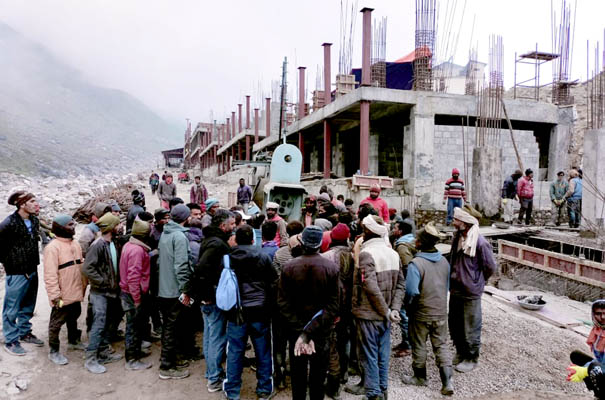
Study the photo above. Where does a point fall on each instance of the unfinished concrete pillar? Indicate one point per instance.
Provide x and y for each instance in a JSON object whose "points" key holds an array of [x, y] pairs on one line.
{"points": [[418, 156], [593, 169], [560, 139], [487, 179]]}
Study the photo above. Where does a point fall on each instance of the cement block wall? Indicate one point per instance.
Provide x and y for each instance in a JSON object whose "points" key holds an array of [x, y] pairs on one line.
{"points": [[449, 151]]}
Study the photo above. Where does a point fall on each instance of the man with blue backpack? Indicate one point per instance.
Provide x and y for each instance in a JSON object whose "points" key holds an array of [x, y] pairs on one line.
{"points": [[254, 294], [208, 272]]}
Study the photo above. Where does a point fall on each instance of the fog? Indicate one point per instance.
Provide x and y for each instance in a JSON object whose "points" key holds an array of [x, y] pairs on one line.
{"points": [[197, 59]]}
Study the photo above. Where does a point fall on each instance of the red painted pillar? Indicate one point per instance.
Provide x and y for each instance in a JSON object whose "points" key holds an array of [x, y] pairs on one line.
{"points": [[228, 132], [239, 118], [255, 125], [233, 124], [247, 112], [366, 49], [268, 116], [301, 92], [327, 73]]}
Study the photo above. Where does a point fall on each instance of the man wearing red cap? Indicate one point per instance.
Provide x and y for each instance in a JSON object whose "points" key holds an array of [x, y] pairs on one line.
{"points": [[454, 194], [379, 204]]}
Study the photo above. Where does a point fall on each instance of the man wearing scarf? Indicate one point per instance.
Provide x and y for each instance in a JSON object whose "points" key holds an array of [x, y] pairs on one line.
{"points": [[64, 285], [427, 283], [472, 261], [378, 288], [19, 236]]}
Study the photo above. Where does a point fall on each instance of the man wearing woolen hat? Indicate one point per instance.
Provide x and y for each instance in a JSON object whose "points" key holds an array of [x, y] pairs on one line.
{"points": [[101, 269], [174, 287], [19, 236], [138, 206], [64, 286], [134, 296], [308, 301]]}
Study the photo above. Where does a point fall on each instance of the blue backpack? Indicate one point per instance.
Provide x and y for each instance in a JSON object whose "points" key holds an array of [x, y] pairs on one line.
{"points": [[227, 291]]}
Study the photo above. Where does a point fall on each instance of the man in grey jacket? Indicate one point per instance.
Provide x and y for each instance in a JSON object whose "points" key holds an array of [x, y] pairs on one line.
{"points": [[378, 286], [173, 291]]}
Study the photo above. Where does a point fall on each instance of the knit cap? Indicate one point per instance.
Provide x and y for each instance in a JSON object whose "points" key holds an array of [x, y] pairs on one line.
{"points": [[340, 233], [140, 229], [180, 213], [108, 222], [62, 219]]}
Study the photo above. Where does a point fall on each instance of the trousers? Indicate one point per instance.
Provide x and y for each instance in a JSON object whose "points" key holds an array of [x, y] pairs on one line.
{"points": [[58, 317]]}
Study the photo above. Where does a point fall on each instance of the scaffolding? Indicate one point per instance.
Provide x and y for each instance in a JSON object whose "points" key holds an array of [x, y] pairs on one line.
{"points": [[424, 44], [378, 69], [489, 110], [536, 59]]}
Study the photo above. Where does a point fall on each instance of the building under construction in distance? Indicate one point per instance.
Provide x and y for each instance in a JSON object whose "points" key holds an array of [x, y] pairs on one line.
{"points": [[396, 123]]}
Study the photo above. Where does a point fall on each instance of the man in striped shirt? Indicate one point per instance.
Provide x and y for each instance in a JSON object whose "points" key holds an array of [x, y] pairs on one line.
{"points": [[454, 194]]}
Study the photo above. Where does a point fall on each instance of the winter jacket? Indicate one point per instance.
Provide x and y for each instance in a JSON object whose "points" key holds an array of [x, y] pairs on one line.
{"points": [[405, 246], [62, 275], [98, 267], [281, 237], [574, 192], [427, 284], [18, 248], [198, 195], [256, 279], [378, 281], [175, 271], [135, 269], [525, 188], [454, 189], [309, 284], [132, 215], [269, 248], [195, 237], [87, 236], [166, 192], [244, 194], [509, 188], [558, 190], [379, 205], [343, 258], [210, 265], [469, 274]]}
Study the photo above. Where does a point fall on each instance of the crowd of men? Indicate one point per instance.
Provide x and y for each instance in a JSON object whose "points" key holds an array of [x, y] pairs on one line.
{"points": [[317, 298]]}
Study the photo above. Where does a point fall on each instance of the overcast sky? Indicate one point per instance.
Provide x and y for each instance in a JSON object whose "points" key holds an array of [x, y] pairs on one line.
{"points": [[188, 58]]}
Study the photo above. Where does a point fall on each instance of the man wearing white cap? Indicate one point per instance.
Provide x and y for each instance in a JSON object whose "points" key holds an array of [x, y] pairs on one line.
{"points": [[472, 263], [281, 237]]}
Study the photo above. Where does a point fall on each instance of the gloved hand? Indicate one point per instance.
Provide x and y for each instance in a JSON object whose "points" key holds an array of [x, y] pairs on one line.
{"points": [[394, 316], [504, 201], [576, 373]]}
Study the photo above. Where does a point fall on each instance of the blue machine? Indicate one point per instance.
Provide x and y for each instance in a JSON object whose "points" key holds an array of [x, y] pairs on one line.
{"points": [[284, 186]]}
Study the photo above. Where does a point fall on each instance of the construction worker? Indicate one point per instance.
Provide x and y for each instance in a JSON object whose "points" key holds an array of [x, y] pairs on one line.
{"points": [[558, 188], [454, 194]]}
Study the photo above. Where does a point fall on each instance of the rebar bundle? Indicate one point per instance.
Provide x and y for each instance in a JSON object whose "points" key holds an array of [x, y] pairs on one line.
{"points": [[470, 84], [596, 91], [424, 44], [348, 12], [562, 45], [489, 107], [378, 72]]}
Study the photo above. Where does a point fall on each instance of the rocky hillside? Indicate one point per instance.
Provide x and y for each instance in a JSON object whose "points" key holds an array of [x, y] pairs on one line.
{"points": [[54, 123]]}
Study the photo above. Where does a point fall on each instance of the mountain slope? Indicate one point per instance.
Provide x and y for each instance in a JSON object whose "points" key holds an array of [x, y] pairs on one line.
{"points": [[52, 122]]}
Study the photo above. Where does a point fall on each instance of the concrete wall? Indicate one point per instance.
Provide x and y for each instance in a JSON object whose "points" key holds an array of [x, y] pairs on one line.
{"points": [[594, 172]]}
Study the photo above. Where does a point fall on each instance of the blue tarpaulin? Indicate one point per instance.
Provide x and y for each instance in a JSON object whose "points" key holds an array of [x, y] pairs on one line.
{"points": [[399, 75]]}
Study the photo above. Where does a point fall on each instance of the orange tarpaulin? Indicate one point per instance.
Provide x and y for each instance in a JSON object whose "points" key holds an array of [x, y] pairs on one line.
{"points": [[422, 52]]}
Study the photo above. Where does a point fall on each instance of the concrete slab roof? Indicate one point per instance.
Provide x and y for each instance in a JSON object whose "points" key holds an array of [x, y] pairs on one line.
{"points": [[238, 137]]}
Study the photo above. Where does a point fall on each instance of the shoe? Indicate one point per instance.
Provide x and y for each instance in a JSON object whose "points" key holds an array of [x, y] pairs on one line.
{"points": [[109, 358], [57, 358], [137, 365], [144, 353], [76, 346], [358, 389], [215, 386], [14, 349], [466, 366], [332, 388], [447, 388], [457, 359], [182, 363], [385, 395], [145, 344], [419, 378], [265, 396], [32, 339], [174, 373], [92, 365]]}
